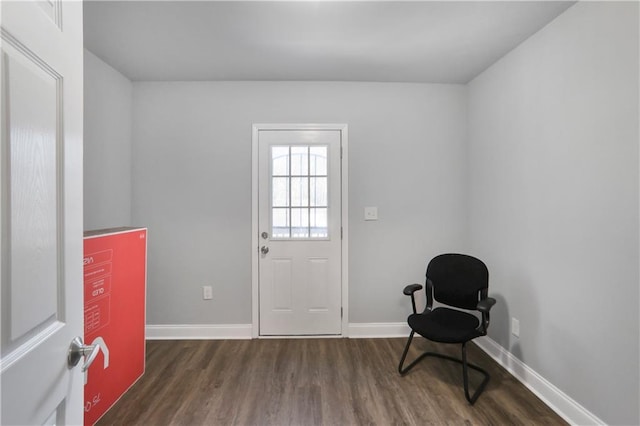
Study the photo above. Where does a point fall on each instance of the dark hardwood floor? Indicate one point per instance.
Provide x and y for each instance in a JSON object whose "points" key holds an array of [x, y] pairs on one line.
{"points": [[317, 382]]}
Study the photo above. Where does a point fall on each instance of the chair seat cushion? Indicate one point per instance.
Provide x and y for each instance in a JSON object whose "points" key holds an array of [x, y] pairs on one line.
{"points": [[445, 325]]}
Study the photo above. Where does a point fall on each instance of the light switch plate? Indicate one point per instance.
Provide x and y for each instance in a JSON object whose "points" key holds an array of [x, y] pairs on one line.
{"points": [[370, 213], [207, 292]]}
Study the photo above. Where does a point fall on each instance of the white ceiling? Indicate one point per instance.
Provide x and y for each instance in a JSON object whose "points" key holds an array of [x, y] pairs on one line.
{"points": [[430, 42]]}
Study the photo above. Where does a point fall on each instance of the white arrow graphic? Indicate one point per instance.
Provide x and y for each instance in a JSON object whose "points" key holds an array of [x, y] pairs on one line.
{"points": [[101, 346]]}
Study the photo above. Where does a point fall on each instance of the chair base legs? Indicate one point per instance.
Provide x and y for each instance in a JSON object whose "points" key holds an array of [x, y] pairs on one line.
{"points": [[465, 368]]}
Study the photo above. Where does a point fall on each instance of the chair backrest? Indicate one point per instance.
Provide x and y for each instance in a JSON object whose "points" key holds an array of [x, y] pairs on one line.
{"points": [[457, 279]]}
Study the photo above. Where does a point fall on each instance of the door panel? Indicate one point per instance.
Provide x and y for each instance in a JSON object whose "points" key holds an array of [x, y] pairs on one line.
{"points": [[318, 284], [31, 122], [282, 284], [299, 219], [41, 214]]}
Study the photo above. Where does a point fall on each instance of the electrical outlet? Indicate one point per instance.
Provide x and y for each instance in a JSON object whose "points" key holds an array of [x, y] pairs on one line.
{"points": [[207, 292], [515, 327], [370, 213]]}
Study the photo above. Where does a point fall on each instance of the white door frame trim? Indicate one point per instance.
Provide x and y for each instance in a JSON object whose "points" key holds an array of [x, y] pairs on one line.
{"points": [[344, 215]]}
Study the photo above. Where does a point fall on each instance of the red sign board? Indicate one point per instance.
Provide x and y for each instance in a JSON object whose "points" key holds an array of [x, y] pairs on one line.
{"points": [[114, 315]]}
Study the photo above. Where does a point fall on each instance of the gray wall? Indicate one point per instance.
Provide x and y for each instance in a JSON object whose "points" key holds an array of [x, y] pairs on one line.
{"points": [[553, 156], [108, 100], [192, 187]]}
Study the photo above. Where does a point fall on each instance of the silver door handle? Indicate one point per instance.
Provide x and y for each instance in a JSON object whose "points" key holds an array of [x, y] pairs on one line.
{"points": [[264, 250], [77, 350]]}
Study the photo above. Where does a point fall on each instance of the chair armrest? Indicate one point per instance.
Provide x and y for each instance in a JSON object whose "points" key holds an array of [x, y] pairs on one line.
{"points": [[485, 304], [409, 290], [412, 288]]}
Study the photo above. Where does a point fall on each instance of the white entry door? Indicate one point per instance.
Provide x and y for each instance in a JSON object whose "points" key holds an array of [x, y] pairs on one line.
{"points": [[41, 215], [299, 217]]}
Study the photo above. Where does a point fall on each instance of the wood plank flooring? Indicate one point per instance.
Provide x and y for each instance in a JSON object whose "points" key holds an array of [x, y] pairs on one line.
{"points": [[317, 382]]}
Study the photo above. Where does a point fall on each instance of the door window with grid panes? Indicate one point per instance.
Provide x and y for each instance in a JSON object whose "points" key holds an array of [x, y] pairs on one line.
{"points": [[299, 199]]}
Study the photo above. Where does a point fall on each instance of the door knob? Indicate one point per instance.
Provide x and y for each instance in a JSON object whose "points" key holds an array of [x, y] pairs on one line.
{"points": [[77, 350], [264, 249]]}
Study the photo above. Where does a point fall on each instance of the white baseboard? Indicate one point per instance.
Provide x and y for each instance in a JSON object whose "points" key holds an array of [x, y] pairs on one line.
{"points": [[198, 331], [557, 400], [243, 331], [378, 329]]}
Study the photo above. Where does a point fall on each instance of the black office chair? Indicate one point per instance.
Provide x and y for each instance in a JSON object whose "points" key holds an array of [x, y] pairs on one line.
{"points": [[459, 281]]}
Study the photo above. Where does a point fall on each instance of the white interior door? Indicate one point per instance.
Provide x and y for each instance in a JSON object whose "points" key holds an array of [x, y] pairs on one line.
{"points": [[41, 215], [299, 221]]}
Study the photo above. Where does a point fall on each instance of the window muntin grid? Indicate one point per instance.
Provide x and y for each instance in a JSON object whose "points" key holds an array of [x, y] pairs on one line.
{"points": [[299, 192]]}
